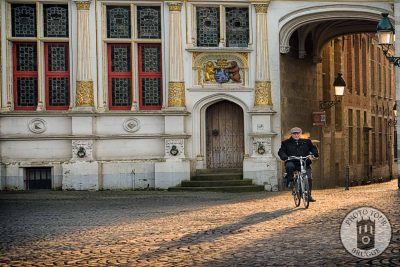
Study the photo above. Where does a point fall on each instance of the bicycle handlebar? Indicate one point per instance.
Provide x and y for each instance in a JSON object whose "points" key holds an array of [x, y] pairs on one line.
{"points": [[301, 157]]}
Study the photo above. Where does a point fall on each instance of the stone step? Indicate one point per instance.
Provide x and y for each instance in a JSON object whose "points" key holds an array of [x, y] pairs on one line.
{"points": [[222, 170], [217, 177], [216, 183], [227, 189]]}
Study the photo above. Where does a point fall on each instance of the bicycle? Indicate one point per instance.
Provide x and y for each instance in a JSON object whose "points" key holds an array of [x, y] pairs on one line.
{"points": [[300, 186]]}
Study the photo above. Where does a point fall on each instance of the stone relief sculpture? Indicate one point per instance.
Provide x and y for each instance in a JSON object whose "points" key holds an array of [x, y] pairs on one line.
{"points": [[220, 70], [223, 73], [233, 71]]}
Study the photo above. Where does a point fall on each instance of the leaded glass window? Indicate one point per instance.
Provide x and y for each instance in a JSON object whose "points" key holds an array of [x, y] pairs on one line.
{"points": [[120, 58], [149, 22], [58, 57], [150, 76], [26, 57], [121, 92], [55, 19], [23, 20], [151, 91], [237, 27], [151, 58], [118, 22], [57, 75], [58, 92], [27, 91], [120, 76], [208, 29]]}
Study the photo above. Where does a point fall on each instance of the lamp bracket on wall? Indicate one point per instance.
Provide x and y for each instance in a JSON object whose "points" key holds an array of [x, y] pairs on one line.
{"points": [[328, 104], [394, 60]]}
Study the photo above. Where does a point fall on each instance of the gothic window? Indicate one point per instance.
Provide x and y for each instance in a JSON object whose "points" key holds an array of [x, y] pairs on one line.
{"points": [[55, 86], [150, 76], [134, 67], [236, 26]]}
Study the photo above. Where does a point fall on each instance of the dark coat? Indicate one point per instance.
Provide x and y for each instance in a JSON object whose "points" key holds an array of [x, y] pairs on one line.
{"points": [[301, 147]]}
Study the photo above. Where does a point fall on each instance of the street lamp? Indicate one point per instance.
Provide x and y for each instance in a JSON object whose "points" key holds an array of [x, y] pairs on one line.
{"points": [[385, 32], [339, 85]]}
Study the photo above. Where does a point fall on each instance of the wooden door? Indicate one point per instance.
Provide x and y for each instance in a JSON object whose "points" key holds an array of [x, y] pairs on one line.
{"points": [[224, 135]]}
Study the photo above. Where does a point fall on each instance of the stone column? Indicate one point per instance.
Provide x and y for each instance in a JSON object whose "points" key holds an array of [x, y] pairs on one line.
{"points": [[176, 86], [176, 167], [262, 98], [260, 164], [84, 81]]}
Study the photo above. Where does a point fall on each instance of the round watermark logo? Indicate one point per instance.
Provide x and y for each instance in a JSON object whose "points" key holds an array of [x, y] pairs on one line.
{"points": [[365, 232]]}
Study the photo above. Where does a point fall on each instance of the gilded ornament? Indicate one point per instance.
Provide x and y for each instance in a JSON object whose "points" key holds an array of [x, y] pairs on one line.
{"points": [[195, 55], [84, 93], [175, 6], [209, 71], [82, 5], [176, 94], [263, 94], [261, 8], [222, 63]]}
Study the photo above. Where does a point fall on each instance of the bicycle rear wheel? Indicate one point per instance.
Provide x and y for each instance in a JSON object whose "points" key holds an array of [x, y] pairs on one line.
{"points": [[296, 192], [306, 192]]}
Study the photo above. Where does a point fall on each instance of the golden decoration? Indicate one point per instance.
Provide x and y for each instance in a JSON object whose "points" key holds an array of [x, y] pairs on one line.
{"points": [[209, 71], [261, 8], [175, 6], [84, 94], [263, 94], [222, 63], [83, 5], [195, 55], [176, 94]]}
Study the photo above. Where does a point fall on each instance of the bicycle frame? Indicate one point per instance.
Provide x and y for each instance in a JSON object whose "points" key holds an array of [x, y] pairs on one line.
{"points": [[301, 187]]}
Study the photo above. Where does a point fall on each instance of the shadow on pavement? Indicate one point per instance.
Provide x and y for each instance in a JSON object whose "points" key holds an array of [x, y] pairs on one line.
{"points": [[215, 233]]}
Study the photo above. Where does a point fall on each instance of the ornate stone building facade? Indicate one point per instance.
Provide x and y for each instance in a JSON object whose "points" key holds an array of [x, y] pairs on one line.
{"points": [[135, 94]]}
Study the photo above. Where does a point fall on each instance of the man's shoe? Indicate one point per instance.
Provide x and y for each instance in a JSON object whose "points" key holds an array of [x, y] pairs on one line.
{"points": [[311, 199]]}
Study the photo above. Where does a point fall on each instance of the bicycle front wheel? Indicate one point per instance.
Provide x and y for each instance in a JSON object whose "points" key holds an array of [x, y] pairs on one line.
{"points": [[306, 191], [296, 192]]}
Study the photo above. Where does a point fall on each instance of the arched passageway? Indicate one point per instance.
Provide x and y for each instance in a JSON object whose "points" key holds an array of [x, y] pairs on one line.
{"points": [[356, 134]]}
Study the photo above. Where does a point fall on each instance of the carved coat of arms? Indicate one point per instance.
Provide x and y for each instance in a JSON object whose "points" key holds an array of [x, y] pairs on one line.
{"points": [[222, 73]]}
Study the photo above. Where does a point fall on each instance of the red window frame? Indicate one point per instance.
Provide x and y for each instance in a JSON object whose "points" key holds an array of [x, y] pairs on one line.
{"points": [[112, 75], [22, 74], [143, 74], [55, 74]]}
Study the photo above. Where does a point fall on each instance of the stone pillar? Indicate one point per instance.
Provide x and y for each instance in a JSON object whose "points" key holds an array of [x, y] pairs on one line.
{"points": [[176, 86], [176, 167], [262, 95], [260, 164], [84, 82]]}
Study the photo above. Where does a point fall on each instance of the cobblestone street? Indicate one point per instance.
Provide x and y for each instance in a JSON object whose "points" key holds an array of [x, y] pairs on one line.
{"points": [[156, 228]]}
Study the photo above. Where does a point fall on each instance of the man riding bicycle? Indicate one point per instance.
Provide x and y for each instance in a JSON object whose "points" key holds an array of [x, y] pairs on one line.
{"points": [[296, 146]]}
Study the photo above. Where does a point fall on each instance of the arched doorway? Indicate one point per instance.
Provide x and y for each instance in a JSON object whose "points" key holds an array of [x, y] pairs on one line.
{"points": [[224, 135]]}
